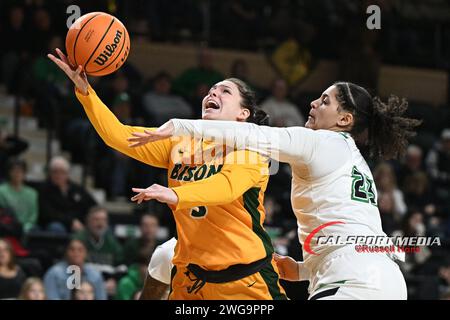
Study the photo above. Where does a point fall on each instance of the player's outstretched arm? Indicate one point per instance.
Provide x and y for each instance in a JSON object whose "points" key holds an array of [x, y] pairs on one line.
{"points": [[110, 129], [291, 145]]}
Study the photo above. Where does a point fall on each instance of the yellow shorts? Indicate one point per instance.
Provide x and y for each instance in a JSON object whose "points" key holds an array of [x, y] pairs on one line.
{"points": [[262, 285]]}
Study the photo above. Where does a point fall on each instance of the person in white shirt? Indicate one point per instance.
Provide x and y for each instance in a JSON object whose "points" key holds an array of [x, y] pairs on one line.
{"points": [[282, 112], [157, 282], [333, 192]]}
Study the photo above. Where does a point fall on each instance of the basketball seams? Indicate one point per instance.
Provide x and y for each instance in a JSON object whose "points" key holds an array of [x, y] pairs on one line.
{"points": [[76, 39], [118, 54], [101, 40]]}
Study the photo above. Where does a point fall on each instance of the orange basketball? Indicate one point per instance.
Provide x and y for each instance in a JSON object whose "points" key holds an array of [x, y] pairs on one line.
{"points": [[99, 42]]}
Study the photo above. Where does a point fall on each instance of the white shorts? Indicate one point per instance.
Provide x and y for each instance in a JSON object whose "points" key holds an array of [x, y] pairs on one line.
{"points": [[347, 275]]}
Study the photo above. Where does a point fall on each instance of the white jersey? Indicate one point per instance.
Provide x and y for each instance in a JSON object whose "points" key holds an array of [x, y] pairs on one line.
{"points": [[160, 265], [331, 181]]}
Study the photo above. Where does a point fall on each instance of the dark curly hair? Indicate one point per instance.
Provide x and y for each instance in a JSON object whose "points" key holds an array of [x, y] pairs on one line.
{"points": [[378, 125], [257, 115]]}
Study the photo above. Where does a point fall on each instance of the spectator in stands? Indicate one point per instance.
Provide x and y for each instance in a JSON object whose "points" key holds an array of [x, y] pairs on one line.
{"points": [[386, 206], [413, 226], [10, 146], [115, 169], [147, 242], [85, 292], [20, 198], [62, 203], [161, 105], [11, 275], [386, 182], [45, 71], [103, 248], [56, 279], [359, 60], [247, 21], [282, 112], [276, 225], [203, 74], [42, 31], [50, 90], [438, 165], [239, 69], [14, 47], [134, 280], [412, 163], [33, 289], [418, 193]]}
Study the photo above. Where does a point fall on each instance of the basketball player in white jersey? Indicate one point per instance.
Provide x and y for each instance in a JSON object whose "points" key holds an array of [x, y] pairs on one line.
{"points": [[333, 192], [157, 282]]}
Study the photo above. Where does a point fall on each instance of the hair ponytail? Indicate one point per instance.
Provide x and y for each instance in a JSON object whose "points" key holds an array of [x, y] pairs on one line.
{"points": [[380, 126], [389, 131]]}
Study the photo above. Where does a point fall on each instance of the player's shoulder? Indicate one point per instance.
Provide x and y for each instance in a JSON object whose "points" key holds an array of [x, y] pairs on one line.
{"points": [[332, 141]]}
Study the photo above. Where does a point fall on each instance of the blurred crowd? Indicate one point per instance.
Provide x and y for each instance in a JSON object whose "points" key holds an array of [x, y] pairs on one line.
{"points": [[47, 226]]}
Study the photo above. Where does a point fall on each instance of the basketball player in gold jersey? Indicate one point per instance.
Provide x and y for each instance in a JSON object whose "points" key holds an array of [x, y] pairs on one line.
{"points": [[223, 251]]}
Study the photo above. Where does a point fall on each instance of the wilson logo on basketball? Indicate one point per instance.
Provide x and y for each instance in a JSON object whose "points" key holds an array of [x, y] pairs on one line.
{"points": [[109, 50]]}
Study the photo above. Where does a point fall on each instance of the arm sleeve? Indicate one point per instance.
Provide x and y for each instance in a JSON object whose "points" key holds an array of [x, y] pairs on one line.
{"points": [[115, 134], [232, 181], [289, 145], [160, 265]]}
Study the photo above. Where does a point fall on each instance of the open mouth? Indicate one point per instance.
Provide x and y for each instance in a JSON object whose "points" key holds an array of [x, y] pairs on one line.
{"points": [[211, 104]]}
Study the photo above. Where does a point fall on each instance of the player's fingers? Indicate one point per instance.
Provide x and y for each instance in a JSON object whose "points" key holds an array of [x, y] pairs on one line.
{"points": [[61, 55], [136, 196], [51, 57], [57, 61], [145, 197], [139, 134], [138, 190], [133, 139], [155, 134], [79, 70], [63, 66]]}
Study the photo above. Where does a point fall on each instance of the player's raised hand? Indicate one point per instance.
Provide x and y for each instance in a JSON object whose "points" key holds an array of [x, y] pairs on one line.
{"points": [[141, 138], [287, 267], [157, 192], [76, 74]]}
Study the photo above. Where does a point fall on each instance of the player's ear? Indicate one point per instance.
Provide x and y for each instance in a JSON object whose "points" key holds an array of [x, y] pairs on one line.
{"points": [[345, 119], [243, 114]]}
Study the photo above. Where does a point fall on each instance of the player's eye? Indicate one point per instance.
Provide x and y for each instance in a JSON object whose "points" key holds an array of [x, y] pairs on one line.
{"points": [[227, 91]]}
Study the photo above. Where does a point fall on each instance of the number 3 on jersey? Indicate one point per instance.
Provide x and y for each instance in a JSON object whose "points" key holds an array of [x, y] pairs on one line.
{"points": [[199, 212], [362, 188]]}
